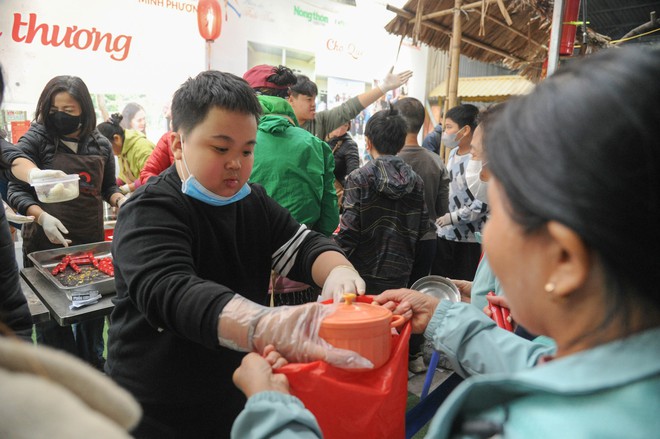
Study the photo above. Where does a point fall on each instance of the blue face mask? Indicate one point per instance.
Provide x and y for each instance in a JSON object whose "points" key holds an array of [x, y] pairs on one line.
{"points": [[193, 188]]}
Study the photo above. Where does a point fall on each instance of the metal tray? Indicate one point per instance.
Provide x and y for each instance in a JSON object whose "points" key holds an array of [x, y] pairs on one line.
{"points": [[437, 286], [46, 260]]}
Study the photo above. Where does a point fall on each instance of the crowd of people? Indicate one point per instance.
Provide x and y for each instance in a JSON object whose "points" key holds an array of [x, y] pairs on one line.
{"points": [[253, 197]]}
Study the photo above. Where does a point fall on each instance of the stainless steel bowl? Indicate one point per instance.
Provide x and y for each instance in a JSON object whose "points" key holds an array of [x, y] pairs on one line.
{"points": [[437, 286]]}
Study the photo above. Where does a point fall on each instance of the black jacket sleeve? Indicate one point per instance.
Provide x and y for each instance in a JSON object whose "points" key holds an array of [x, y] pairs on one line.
{"points": [[14, 311], [31, 145], [351, 157], [8, 151]]}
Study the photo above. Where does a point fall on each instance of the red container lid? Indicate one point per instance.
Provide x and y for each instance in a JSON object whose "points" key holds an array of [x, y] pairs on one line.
{"points": [[350, 313]]}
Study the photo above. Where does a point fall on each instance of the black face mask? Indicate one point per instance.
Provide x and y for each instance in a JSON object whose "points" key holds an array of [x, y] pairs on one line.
{"points": [[64, 123]]}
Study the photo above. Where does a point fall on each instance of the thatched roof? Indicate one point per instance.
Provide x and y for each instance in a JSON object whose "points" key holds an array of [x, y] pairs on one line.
{"points": [[520, 45]]}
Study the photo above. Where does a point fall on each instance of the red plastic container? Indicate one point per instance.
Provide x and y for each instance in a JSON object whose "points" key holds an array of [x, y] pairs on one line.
{"points": [[363, 328]]}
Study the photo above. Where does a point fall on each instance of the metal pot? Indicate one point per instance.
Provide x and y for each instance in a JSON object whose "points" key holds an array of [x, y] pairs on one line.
{"points": [[363, 328], [437, 286]]}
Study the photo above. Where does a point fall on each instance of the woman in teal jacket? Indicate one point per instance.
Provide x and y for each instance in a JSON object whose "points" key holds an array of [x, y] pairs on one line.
{"points": [[563, 250]]}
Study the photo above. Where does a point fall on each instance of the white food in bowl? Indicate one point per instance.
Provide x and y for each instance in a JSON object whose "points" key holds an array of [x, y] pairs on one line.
{"points": [[56, 192]]}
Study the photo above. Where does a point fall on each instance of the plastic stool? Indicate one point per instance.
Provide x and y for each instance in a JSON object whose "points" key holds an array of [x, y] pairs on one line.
{"points": [[435, 357]]}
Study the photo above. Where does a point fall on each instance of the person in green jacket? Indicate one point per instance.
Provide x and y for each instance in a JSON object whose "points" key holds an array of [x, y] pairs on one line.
{"points": [[564, 251], [295, 167], [131, 147]]}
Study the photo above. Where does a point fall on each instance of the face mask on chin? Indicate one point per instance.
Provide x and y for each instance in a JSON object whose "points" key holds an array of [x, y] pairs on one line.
{"points": [[64, 123], [193, 188], [450, 139]]}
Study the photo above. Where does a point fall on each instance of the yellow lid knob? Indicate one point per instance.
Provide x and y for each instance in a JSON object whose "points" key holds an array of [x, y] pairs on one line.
{"points": [[349, 298]]}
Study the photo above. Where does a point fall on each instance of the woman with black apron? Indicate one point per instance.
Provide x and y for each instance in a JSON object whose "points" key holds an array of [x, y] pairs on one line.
{"points": [[63, 136]]}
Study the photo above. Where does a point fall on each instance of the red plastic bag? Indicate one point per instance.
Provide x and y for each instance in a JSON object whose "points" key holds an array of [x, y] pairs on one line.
{"points": [[363, 405]]}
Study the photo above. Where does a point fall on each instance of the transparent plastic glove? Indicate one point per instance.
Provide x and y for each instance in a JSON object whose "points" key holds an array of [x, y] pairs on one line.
{"points": [[121, 201], [14, 217], [392, 81], [124, 189], [53, 228], [444, 220], [341, 280], [37, 173], [292, 330]]}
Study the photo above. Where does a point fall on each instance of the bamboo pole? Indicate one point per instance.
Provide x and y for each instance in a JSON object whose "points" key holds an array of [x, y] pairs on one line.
{"points": [[555, 36], [455, 54], [417, 29], [465, 39], [504, 12], [444, 153]]}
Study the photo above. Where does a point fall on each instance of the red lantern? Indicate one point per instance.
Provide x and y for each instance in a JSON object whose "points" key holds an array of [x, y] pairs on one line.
{"points": [[209, 19]]}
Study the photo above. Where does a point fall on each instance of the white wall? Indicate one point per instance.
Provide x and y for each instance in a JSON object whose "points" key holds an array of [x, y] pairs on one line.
{"points": [[353, 44], [156, 45]]}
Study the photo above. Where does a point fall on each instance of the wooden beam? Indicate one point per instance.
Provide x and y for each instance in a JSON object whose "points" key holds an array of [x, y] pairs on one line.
{"points": [[455, 56], [504, 12], [451, 11], [407, 15], [470, 8], [417, 29], [514, 30]]}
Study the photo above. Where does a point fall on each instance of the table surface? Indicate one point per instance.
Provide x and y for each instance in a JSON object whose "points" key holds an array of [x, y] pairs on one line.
{"points": [[58, 304], [37, 308]]}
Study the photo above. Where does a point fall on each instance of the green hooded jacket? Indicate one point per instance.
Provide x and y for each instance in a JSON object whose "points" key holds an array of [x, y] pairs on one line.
{"points": [[295, 167], [134, 154]]}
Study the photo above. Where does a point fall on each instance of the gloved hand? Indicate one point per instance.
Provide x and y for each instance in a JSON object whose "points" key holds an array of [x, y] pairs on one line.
{"points": [[36, 173], [121, 201], [293, 331], [14, 217], [341, 280], [124, 189], [394, 80], [444, 220], [53, 228]]}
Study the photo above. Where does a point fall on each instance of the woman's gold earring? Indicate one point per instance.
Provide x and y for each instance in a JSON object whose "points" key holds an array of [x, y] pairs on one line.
{"points": [[549, 287]]}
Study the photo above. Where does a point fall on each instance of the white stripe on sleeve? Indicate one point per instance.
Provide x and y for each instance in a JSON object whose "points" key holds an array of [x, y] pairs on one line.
{"points": [[284, 257]]}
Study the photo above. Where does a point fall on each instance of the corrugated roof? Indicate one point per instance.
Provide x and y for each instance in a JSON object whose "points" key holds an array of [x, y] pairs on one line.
{"points": [[487, 88]]}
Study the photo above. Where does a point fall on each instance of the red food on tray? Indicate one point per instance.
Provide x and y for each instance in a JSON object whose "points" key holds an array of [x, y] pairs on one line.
{"points": [[91, 269]]}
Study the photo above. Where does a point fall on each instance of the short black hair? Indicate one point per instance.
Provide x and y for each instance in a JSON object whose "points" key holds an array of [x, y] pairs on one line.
{"points": [[197, 96], [111, 127], [583, 142], [413, 113], [304, 86], [464, 114], [282, 76], [387, 131], [78, 91]]}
